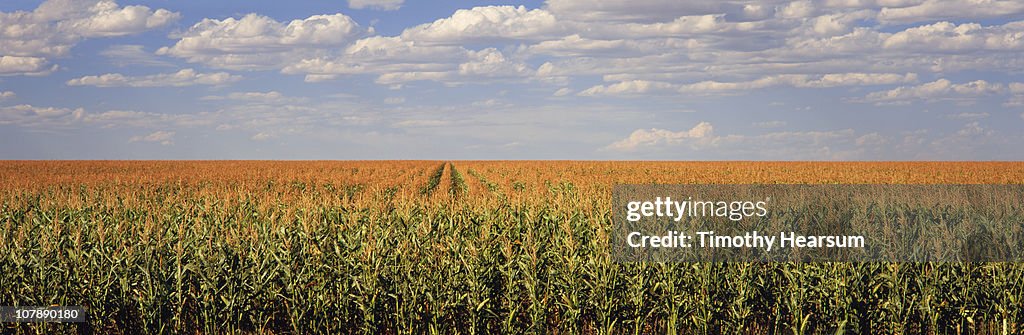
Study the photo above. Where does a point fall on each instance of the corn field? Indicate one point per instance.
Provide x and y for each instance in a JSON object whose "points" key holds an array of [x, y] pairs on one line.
{"points": [[430, 247]]}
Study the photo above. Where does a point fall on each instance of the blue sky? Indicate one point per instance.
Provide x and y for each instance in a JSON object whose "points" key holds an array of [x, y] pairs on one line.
{"points": [[556, 79]]}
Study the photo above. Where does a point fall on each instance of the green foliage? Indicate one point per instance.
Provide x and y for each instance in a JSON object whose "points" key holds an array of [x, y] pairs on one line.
{"points": [[178, 260]]}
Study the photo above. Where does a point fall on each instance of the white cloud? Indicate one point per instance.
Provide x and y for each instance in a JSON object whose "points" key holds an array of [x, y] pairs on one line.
{"points": [[938, 47], [804, 81], [826, 24], [577, 46], [564, 91], [969, 116], [385, 50], [106, 19], [634, 87], [1016, 88], [376, 4], [136, 119], [492, 63], [487, 23], [1014, 101], [132, 54], [397, 61], [185, 77], [946, 36], [28, 115], [161, 136], [394, 78], [491, 103], [316, 78], [632, 10], [770, 124], [421, 123], [53, 28], [790, 144], [263, 136], [18, 65], [813, 137], [392, 58], [270, 97], [394, 100], [259, 42], [973, 129], [872, 139], [859, 79], [950, 9], [796, 10], [684, 26], [1017, 98], [796, 44], [655, 136], [870, 3], [936, 90], [5, 95], [715, 86]]}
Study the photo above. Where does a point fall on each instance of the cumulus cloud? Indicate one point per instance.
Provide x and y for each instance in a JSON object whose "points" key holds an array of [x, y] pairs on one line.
{"points": [[260, 42], [32, 116], [383, 55], [185, 77], [936, 90], [655, 136], [1017, 97], [29, 39], [376, 4], [829, 144], [29, 115], [796, 10], [684, 26], [492, 63], [161, 136], [950, 9], [634, 87], [973, 129], [946, 36], [858, 79], [830, 43], [770, 124], [421, 123], [1016, 88], [797, 80], [487, 23], [133, 54], [5, 95], [396, 61], [936, 47], [263, 136], [394, 100], [631, 87], [577, 46], [872, 139], [106, 19], [633, 10], [969, 115], [270, 97], [18, 65]]}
